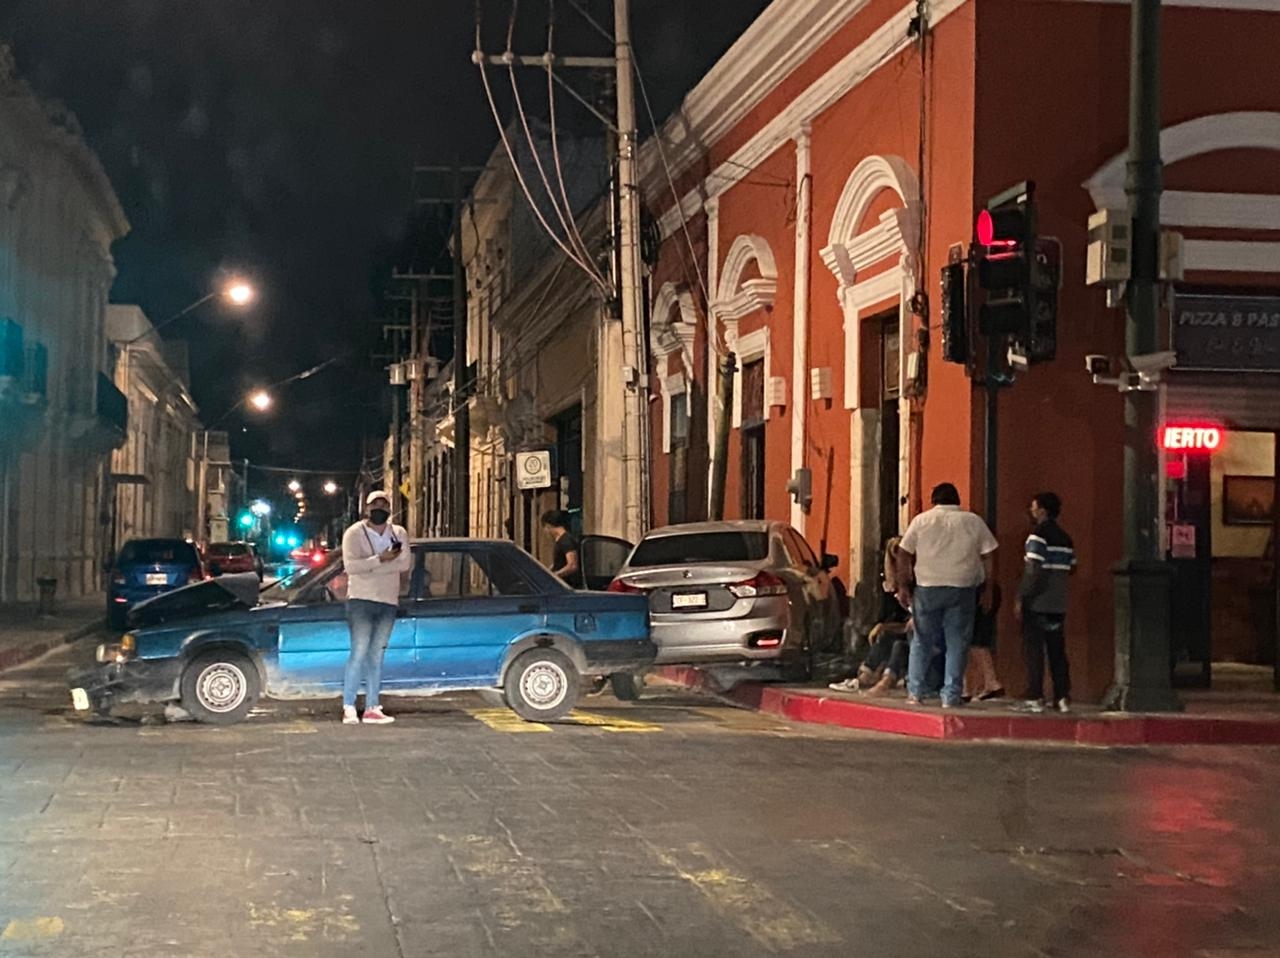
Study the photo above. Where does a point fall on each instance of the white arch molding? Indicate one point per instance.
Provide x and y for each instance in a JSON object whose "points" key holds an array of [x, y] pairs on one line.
{"points": [[668, 337], [850, 254], [737, 297], [1247, 130]]}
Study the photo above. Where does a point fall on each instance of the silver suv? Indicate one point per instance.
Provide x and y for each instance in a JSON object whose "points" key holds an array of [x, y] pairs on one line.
{"points": [[735, 592]]}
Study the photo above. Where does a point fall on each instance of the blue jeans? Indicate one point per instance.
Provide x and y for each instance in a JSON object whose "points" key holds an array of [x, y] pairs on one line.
{"points": [[371, 624], [943, 620]]}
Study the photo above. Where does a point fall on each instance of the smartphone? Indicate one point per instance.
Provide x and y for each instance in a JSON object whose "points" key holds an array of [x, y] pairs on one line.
{"points": [[396, 545]]}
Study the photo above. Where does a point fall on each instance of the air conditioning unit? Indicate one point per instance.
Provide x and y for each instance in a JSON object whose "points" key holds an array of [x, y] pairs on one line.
{"points": [[820, 383], [775, 391], [1107, 262]]}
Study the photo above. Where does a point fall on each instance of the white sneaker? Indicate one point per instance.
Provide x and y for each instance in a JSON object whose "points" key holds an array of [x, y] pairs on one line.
{"points": [[1064, 706], [349, 716], [847, 685], [1029, 705], [375, 716]]}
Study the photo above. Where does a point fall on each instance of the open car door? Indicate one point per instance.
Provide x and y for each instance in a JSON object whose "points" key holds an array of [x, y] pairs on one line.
{"points": [[601, 558]]}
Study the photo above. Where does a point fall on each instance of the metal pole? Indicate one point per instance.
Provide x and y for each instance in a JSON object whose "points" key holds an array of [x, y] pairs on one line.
{"points": [[461, 411], [720, 452], [414, 511], [991, 446], [635, 509], [1143, 658]]}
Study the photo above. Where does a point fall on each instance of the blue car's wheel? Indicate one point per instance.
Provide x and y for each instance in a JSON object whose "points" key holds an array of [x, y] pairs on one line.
{"points": [[220, 686], [542, 685]]}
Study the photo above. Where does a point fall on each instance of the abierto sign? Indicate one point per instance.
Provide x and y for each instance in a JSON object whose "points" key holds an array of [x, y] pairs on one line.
{"points": [[1226, 333], [533, 469], [1178, 437]]}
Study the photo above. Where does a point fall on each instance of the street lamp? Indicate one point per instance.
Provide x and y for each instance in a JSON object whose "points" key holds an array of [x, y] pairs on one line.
{"points": [[260, 508], [237, 293], [295, 486], [330, 488], [261, 400]]}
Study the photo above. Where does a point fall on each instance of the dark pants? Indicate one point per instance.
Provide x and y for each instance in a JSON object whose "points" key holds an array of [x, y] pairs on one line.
{"points": [[1044, 633], [889, 653]]}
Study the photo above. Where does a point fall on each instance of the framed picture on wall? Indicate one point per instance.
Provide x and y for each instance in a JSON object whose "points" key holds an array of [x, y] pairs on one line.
{"points": [[1248, 500]]}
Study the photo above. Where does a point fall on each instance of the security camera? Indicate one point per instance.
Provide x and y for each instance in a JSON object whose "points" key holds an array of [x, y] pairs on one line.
{"points": [[1097, 365]]}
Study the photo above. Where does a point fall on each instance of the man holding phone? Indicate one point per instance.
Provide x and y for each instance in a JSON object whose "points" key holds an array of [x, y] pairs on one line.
{"points": [[374, 555]]}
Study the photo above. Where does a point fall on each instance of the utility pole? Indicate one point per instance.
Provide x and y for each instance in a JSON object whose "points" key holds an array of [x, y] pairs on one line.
{"points": [[1142, 585], [727, 367], [635, 364], [461, 409]]}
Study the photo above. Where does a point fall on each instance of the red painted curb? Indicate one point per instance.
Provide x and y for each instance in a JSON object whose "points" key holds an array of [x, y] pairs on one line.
{"points": [[822, 709]]}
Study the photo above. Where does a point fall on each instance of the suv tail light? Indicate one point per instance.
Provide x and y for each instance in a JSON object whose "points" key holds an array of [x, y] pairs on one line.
{"points": [[617, 585], [763, 583]]}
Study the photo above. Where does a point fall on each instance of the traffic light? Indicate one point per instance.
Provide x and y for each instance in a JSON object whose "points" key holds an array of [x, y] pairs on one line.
{"points": [[1020, 273], [246, 520], [955, 316]]}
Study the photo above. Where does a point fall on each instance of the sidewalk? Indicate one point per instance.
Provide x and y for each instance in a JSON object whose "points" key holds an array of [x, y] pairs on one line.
{"points": [[1210, 718], [25, 636]]}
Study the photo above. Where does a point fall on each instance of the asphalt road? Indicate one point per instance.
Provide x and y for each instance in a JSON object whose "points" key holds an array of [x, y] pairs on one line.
{"points": [[674, 827]]}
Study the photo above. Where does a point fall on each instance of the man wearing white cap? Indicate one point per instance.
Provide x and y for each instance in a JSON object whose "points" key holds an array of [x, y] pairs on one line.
{"points": [[374, 555]]}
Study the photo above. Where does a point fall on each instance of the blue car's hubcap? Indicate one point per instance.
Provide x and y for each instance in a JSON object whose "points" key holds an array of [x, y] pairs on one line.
{"points": [[221, 687], [544, 685]]}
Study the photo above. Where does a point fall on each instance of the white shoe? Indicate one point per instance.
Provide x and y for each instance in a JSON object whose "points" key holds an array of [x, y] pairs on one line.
{"points": [[1064, 706], [349, 716], [375, 716], [847, 685], [1030, 705]]}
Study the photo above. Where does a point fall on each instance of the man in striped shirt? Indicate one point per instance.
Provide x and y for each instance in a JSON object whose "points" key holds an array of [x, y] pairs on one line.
{"points": [[1042, 603]]}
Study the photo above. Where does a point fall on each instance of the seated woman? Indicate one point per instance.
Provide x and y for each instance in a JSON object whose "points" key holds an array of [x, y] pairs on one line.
{"points": [[885, 658]]}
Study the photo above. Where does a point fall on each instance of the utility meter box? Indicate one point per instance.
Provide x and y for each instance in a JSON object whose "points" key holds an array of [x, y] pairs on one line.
{"points": [[1110, 233]]}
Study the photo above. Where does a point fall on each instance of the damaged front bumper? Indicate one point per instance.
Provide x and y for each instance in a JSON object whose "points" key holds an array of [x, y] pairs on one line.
{"points": [[142, 680]]}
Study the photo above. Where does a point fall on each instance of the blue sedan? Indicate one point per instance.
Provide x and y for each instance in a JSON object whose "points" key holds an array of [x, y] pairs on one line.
{"points": [[473, 615]]}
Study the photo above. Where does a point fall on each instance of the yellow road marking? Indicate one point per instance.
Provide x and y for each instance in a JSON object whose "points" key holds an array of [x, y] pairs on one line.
{"points": [[20, 929], [611, 723], [505, 720], [770, 920]]}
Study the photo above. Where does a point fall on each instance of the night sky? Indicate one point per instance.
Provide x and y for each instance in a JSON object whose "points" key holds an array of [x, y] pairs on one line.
{"points": [[241, 137]]}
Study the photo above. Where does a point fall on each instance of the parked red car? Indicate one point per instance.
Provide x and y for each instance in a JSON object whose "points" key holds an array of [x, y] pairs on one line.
{"points": [[224, 558]]}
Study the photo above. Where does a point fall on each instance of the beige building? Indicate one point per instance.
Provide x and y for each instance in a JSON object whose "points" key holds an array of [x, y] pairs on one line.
{"points": [[545, 353], [60, 413], [153, 474]]}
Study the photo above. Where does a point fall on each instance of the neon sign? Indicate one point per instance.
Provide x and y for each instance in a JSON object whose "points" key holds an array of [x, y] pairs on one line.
{"points": [[1191, 438]]}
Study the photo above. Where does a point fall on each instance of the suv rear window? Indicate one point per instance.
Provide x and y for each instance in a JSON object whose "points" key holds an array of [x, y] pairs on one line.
{"points": [[152, 551], [701, 547], [229, 549]]}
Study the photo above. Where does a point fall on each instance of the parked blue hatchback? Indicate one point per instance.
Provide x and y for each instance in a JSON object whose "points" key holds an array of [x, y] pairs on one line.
{"points": [[474, 614], [146, 568]]}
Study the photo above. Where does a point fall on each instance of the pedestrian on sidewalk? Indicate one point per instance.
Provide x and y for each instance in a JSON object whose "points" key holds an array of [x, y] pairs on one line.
{"points": [[567, 560], [982, 682], [374, 556], [888, 638], [1042, 603], [947, 553]]}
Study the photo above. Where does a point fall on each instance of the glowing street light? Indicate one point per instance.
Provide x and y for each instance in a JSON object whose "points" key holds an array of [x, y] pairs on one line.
{"points": [[330, 488], [239, 293], [295, 486], [260, 508], [261, 400]]}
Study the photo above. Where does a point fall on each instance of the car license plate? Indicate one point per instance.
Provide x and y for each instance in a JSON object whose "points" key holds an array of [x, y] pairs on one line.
{"points": [[80, 699], [157, 578], [689, 600]]}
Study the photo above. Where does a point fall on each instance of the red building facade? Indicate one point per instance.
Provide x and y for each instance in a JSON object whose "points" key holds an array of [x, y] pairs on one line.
{"points": [[809, 191]]}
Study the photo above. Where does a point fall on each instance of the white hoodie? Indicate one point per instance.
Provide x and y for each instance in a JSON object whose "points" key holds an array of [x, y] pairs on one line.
{"points": [[368, 577]]}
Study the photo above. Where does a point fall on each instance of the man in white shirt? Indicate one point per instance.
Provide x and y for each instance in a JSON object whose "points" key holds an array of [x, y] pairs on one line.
{"points": [[374, 555], [947, 553]]}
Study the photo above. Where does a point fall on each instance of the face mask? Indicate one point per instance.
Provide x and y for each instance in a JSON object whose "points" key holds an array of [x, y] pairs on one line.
{"points": [[379, 516]]}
